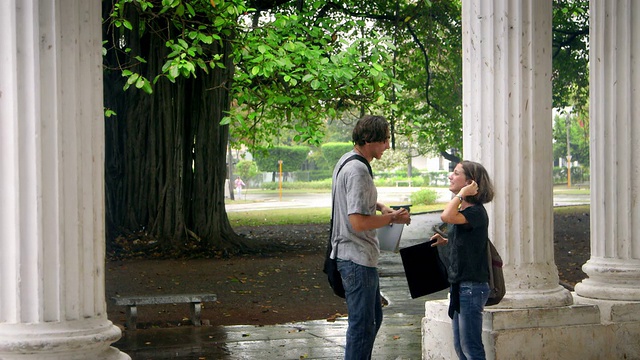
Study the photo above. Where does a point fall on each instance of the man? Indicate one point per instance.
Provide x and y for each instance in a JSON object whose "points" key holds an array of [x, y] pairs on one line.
{"points": [[354, 238]]}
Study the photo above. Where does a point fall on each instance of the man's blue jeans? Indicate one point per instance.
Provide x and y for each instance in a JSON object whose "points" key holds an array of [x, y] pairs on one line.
{"points": [[467, 324], [362, 288]]}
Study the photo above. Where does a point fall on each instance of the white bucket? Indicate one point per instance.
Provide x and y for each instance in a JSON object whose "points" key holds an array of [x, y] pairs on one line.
{"points": [[389, 237]]}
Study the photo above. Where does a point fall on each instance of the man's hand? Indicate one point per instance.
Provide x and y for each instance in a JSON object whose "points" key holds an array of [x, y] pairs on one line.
{"points": [[401, 216]]}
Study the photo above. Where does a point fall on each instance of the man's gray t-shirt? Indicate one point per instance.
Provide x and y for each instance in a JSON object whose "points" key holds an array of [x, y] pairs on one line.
{"points": [[353, 192]]}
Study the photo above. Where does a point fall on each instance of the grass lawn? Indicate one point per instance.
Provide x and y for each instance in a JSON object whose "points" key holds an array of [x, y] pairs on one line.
{"points": [[322, 215]]}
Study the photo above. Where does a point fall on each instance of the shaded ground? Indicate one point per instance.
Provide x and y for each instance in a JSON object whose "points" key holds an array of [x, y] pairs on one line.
{"points": [[571, 243], [283, 284]]}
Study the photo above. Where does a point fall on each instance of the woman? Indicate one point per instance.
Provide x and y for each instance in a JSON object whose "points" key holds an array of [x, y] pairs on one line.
{"points": [[466, 254]]}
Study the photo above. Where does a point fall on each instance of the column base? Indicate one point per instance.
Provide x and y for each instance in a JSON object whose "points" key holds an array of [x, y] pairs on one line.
{"points": [[69, 340], [566, 332], [543, 298], [610, 279]]}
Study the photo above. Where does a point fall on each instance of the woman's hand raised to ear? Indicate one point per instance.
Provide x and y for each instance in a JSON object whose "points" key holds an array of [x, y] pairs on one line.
{"points": [[469, 190]]}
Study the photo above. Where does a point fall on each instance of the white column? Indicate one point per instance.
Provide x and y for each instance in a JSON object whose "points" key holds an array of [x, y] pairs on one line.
{"points": [[614, 267], [52, 243], [508, 128]]}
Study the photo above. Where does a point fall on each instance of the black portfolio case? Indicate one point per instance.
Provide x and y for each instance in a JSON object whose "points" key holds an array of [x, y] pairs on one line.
{"points": [[425, 271]]}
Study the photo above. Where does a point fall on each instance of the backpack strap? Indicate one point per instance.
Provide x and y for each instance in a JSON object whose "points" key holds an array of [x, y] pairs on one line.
{"points": [[352, 157], [359, 158]]}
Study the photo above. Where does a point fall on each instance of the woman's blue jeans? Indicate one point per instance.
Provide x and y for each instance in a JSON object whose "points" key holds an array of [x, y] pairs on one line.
{"points": [[467, 324], [362, 289]]}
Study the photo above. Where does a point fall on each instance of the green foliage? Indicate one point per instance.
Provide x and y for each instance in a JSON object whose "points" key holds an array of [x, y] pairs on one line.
{"points": [[298, 69], [436, 178], [571, 54], [340, 130], [317, 160], [332, 152], [194, 26], [109, 113], [324, 184], [424, 197], [578, 138], [280, 217], [304, 68], [312, 175], [299, 66], [429, 64], [579, 175], [292, 158], [398, 181], [246, 169], [390, 160], [293, 72]]}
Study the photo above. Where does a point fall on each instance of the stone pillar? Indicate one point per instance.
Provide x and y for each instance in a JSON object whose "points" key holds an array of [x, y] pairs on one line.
{"points": [[614, 266], [52, 247], [507, 115], [613, 270], [508, 128]]}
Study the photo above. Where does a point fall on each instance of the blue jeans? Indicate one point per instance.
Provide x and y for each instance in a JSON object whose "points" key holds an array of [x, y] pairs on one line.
{"points": [[362, 288], [467, 324]]}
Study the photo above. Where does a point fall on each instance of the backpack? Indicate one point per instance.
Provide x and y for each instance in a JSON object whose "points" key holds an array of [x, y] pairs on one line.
{"points": [[331, 265], [497, 287], [331, 269]]}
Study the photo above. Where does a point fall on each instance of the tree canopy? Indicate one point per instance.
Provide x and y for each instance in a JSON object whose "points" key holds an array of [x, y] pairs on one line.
{"points": [[409, 53], [198, 73], [304, 64]]}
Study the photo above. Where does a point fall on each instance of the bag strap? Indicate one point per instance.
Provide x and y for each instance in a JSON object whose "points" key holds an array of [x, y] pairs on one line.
{"points": [[489, 262], [333, 200], [352, 157]]}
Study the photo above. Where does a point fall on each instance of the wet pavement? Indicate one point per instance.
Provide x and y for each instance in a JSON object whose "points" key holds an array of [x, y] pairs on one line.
{"points": [[399, 337]]}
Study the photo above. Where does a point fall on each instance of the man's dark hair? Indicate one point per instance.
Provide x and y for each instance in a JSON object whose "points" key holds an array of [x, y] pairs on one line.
{"points": [[370, 128]]}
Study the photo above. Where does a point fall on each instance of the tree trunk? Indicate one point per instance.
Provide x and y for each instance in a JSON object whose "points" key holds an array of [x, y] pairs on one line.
{"points": [[165, 158], [208, 100]]}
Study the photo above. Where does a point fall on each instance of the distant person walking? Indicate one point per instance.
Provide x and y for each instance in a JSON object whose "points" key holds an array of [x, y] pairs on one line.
{"points": [[354, 239], [239, 185]]}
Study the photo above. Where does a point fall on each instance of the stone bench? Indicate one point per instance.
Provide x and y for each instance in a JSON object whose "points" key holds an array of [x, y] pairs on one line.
{"points": [[403, 182], [131, 302]]}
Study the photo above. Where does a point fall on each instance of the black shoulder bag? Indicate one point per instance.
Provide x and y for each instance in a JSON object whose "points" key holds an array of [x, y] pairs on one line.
{"points": [[331, 265]]}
